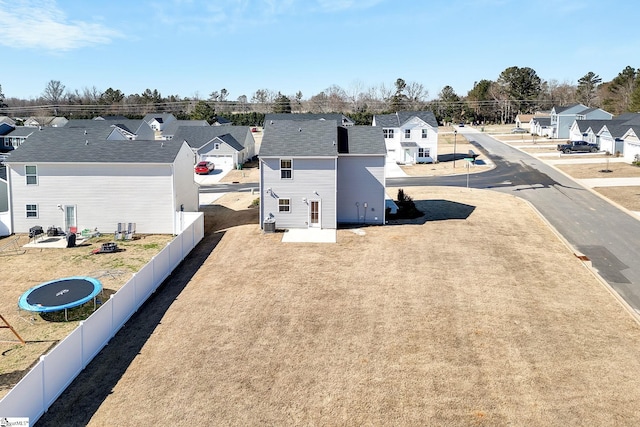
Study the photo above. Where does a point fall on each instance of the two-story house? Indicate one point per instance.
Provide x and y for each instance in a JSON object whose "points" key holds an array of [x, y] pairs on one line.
{"points": [[409, 136], [317, 173], [226, 146], [562, 118], [73, 177]]}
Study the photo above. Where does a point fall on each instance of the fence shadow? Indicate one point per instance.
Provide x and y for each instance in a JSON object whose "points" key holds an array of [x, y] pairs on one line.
{"points": [[79, 402]]}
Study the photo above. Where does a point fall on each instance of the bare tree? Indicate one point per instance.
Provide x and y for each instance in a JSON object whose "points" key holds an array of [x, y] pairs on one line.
{"points": [[53, 91], [416, 94]]}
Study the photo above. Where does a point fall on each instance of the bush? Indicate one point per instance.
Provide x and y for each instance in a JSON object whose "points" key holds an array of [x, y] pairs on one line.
{"points": [[406, 207]]}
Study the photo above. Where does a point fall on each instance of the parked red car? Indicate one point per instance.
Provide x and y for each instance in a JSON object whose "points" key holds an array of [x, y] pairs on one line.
{"points": [[203, 168]]}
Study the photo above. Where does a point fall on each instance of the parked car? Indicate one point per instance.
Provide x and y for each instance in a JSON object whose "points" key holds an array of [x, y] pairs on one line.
{"points": [[203, 168], [519, 130], [578, 147]]}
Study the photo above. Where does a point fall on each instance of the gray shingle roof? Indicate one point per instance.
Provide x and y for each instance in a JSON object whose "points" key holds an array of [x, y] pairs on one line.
{"points": [[198, 136], [595, 125], [398, 119], [300, 138], [361, 140], [319, 138], [172, 127], [337, 117], [71, 145], [22, 131]]}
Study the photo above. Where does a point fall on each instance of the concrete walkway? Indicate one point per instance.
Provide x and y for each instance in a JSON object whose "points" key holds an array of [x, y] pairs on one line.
{"points": [[309, 235]]}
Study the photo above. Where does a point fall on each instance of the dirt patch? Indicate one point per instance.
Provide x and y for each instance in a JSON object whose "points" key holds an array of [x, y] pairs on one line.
{"points": [[457, 319]]}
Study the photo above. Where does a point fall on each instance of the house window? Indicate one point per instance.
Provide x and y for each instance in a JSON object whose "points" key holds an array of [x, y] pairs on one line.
{"points": [[284, 205], [31, 173], [32, 211], [425, 133], [286, 169], [407, 133], [423, 152], [216, 146], [388, 133]]}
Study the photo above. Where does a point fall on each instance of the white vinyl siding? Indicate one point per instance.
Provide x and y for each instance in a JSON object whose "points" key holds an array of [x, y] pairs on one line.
{"points": [[360, 181], [313, 179], [106, 194]]}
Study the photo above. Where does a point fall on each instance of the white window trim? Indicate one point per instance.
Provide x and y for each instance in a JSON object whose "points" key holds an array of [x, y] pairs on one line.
{"points": [[27, 175], [425, 133], [407, 134], [284, 169], [37, 211], [288, 205]]}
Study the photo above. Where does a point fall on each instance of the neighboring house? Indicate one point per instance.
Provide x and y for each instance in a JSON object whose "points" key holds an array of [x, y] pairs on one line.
{"points": [[221, 121], [49, 121], [8, 120], [341, 119], [170, 129], [631, 150], [113, 130], [317, 174], [410, 136], [225, 146], [158, 121], [610, 137], [90, 182], [16, 138], [540, 126], [563, 117], [524, 121], [586, 130]]}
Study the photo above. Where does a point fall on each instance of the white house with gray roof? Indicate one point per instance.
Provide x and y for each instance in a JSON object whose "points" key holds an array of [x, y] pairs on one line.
{"points": [[67, 178], [562, 118], [317, 174], [410, 136], [226, 146]]}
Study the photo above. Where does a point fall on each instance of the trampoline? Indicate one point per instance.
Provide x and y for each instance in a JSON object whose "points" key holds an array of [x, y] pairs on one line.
{"points": [[60, 294]]}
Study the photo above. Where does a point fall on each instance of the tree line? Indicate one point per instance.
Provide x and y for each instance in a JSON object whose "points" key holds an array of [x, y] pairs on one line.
{"points": [[517, 90]]}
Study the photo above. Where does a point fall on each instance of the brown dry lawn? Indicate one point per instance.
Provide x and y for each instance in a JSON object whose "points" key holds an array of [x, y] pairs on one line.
{"points": [[476, 315], [21, 272]]}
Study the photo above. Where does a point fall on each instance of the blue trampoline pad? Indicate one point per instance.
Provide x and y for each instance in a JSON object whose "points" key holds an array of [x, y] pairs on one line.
{"points": [[60, 294]]}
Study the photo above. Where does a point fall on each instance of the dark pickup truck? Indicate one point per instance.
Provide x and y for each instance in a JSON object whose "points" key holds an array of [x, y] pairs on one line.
{"points": [[578, 147]]}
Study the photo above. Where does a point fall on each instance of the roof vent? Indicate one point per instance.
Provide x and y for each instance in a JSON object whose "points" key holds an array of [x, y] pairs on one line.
{"points": [[86, 142], [85, 131], [162, 144], [299, 129]]}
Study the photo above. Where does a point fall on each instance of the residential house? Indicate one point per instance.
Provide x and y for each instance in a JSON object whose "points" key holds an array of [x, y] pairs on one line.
{"points": [[225, 146], [50, 121], [341, 119], [524, 121], [112, 130], [158, 121], [67, 178], [8, 120], [16, 137], [540, 126], [317, 174], [410, 136], [586, 130], [563, 117], [631, 138], [171, 128]]}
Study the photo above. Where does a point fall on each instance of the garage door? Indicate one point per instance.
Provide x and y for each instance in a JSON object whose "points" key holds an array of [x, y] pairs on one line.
{"points": [[221, 162]]}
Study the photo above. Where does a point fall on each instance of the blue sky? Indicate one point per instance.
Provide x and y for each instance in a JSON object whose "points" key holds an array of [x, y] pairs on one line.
{"points": [[191, 47]]}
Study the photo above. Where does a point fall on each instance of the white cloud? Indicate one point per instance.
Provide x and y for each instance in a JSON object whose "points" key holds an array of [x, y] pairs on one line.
{"points": [[43, 25]]}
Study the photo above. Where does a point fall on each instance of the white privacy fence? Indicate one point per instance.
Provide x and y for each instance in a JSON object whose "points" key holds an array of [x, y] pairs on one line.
{"points": [[53, 373]]}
